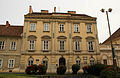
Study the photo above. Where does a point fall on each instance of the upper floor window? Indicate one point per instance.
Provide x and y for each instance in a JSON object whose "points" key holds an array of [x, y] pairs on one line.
{"points": [[90, 46], [1, 61], [46, 26], [76, 27], [62, 45], [77, 45], [30, 61], [89, 28], [61, 27], [13, 46], [32, 45], [11, 63], [32, 26], [45, 45], [2, 45]]}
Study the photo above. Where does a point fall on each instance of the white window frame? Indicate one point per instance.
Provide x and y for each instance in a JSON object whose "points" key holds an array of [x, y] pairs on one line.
{"points": [[62, 45], [89, 28], [11, 63], [2, 45], [76, 27], [61, 27], [32, 26], [91, 46], [46, 26], [77, 45], [30, 61], [92, 61], [78, 61], [1, 63], [45, 45], [13, 46], [45, 62], [31, 44]]}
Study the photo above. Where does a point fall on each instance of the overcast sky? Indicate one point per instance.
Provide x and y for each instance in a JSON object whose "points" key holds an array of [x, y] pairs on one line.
{"points": [[14, 11]]}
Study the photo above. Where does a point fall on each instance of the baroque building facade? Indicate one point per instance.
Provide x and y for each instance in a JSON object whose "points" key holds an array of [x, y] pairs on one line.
{"points": [[56, 39], [52, 39]]}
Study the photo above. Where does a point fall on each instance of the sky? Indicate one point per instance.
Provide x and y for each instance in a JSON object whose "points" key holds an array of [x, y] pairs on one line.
{"points": [[14, 11]]}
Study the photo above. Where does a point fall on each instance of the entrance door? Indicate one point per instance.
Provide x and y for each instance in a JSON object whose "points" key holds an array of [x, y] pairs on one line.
{"points": [[62, 61]]}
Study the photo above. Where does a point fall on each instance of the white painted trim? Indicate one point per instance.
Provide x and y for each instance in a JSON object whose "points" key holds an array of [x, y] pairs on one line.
{"points": [[13, 63]]}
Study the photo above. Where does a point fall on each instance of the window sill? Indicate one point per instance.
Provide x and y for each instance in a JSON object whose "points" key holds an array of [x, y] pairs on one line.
{"points": [[91, 50], [32, 31], [77, 50], [31, 50], [2, 49], [12, 50], [90, 32], [76, 32], [61, 31], [45, 50], [61, 50], [46, 31]]}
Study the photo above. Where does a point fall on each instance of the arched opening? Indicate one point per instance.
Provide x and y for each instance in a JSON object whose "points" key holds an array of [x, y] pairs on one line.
{"points": [[62, 61]]}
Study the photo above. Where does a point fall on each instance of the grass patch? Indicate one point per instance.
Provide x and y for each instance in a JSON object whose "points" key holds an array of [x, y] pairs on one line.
{"points": [[13, 75]]}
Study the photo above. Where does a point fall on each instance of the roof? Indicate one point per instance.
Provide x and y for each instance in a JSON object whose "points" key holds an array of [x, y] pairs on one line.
{"points": [[38, 14], [115, 35], [11, 30]]}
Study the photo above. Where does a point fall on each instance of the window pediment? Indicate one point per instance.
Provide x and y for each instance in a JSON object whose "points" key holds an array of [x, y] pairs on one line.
{"points": [[61, 37], [32, 37], [76, 37], [46, 37], [90, 37]]}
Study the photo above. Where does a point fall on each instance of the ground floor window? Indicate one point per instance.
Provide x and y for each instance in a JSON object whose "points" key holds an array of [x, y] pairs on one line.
{"points": [[92, 61], [30, 61], [78, 61], [1, 61], [11, 63], [105, 61], [45, 61]]}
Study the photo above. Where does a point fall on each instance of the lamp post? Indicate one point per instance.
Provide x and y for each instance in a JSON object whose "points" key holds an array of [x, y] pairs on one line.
{"points": [[112, 48]]}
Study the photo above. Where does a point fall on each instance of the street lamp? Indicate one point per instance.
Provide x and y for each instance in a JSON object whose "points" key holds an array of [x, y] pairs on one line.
{"points": [[112, 48]]}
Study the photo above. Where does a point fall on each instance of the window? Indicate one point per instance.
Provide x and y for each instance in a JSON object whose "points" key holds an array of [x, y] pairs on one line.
{"points": [[2, 45], [37, 61], [78, 61], [76, 28], [1, 61], [46, 27], [10, 63], [105, 61], [32, 27], [30, 61], [45, 62], [31, 45], [77, 45], [45, 45], [90, 46], [61, 45], [92, 61], [89, 28], [61, 27], [13, 46]]}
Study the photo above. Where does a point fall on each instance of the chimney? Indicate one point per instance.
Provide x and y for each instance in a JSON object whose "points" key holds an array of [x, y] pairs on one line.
{"points": [[54, 9], [30, 9], [7, 24], [44, 11], [72, 12]]}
